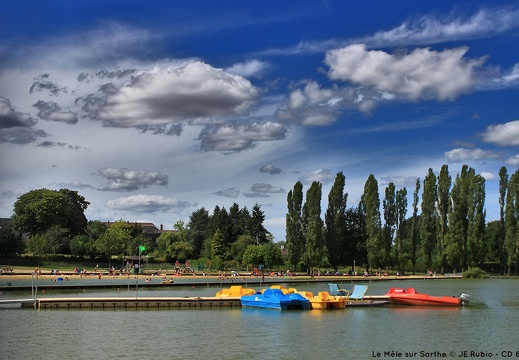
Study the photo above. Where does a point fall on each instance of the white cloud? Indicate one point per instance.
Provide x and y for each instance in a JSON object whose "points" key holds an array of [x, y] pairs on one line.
{"points": [[129, 180], [429, 29], [488, 175], [233, 138], [421, 74], [513, 160], [324, 176], [506, 134], [165, 95], [148, 204], [463, 154], [230, 193], [251, 68], [270, 169]]}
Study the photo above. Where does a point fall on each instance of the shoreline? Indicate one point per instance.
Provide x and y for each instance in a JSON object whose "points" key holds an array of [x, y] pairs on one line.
{"points": [[67, 281]]}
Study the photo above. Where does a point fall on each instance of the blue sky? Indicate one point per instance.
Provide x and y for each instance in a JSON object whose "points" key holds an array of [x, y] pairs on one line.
{"points": [[152, 110]]}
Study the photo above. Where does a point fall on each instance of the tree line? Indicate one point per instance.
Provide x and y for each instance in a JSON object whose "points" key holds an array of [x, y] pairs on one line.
{"points": [[446, 230], [56, 224]]}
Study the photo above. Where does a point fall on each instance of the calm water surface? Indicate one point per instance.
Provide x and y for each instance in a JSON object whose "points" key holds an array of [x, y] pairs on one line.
{"points": [[487, 326]]}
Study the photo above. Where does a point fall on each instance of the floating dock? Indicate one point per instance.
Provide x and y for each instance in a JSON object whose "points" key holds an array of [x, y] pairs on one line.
{"points": [[129, 303], [132, 303]]}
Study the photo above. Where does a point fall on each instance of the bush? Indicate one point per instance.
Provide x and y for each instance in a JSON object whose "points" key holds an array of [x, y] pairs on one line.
{"points": [[474, 273]]}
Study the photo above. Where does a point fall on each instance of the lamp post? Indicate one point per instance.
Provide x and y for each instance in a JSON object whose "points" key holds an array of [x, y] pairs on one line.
{"points": [[354, 268]]}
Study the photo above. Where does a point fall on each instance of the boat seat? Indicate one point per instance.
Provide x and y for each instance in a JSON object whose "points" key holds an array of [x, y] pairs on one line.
{"points": [[358, 292], [336, 291]]}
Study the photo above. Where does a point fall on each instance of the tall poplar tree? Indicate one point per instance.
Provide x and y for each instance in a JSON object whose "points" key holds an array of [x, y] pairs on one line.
{"points": [[314, 240], [335, 220], [294, 225], [512, 220], [429, 219], [390, 221], [499, 243], [401, 212], [415, 226], [444, 186], [457, 248], [477, 248], [371, 200]]}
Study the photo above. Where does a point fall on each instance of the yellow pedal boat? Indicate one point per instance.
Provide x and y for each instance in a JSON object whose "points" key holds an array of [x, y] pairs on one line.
{"points": [[235, 291], [324, 300]]}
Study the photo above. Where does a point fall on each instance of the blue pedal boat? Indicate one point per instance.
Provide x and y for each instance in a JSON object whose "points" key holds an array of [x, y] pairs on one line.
{"points": [[275, 299]]}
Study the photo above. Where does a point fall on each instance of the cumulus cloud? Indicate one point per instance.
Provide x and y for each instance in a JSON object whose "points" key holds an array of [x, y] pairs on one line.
{"points": [[263, 190], [311, 105], [266, 188], [52, 112], [421, 74], [230, 193], [324, 176], [17, 127], [42, 83], [234, 138], [506, 134], [270, 169], [148, 204], [513, 160], [10, 118], [122, 179], [251, 68], [193, 90], [463, 154]]}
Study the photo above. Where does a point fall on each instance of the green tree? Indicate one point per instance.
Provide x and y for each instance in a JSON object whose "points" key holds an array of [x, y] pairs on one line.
{"points": [[81, 246], [415, 227], [477, 247], [257, 229], [39, 246], [444, 185], [217, 245], [355, 246], [59, 239], [199, 230], [371, 201], [512, 220], [115, 240], [294, 225], [11, 242], [401, 211], [429, 218], [457, 249], [253, 255], [390, 221], [335, 221], [499, 242], [240, 245], [314, 242], [38, 210], [271, 254]]}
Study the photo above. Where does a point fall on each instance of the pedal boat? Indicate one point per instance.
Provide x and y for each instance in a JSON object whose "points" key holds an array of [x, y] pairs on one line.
{"points": [[410, 296], [323, 300], [235, 291], [276, 299]]}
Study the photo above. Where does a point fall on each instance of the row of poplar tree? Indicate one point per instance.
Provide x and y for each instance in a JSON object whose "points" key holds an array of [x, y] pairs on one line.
{"points": [[447, 229]]}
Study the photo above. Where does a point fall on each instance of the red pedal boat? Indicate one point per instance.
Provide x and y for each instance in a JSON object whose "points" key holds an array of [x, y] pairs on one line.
{"points": [[412, 297]]}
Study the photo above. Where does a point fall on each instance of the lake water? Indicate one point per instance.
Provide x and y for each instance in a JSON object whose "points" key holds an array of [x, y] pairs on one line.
{"points": [[487, 327]]}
